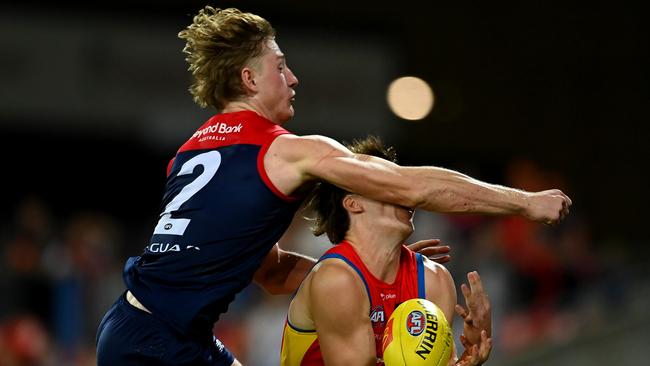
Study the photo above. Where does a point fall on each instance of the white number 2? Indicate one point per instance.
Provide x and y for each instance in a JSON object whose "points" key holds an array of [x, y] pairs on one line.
{"points": [[210, 162]]}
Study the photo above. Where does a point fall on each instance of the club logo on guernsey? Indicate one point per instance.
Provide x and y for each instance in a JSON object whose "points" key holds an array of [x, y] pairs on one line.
{"points": [[217, 128], [377, 316]]}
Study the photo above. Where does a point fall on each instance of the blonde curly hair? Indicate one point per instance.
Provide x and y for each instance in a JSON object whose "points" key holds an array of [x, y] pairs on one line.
{"points": [[219, 43]]}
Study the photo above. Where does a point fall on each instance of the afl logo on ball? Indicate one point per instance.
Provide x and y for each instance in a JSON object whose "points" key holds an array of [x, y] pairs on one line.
{"points": [[415, 323]]}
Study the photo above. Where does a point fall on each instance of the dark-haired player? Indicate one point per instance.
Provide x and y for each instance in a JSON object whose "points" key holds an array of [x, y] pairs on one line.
{"points": [[339, 314], [233, 188]]}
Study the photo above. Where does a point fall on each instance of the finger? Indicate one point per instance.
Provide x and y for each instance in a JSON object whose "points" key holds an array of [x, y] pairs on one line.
{"points": [[464, 341], [442, 260], [467, 317], [475, 282], [567, 199], [486, 346], [485, 353], [563, 214], [460, 311], [429, 251], [553, 221], [466, 291], [419, 245], [474, 354]]}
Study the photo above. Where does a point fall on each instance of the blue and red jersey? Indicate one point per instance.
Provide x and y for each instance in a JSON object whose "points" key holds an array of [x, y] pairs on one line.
{"points": [[300, 347], [220, 217]]}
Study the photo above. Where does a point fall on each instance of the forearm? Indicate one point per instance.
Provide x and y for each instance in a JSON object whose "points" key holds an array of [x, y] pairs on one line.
{"points": [[448, 191], [298, 267], [282, 271]]}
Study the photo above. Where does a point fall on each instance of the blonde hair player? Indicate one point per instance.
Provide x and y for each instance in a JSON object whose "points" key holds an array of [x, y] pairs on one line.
{"points": [[232, 190]]}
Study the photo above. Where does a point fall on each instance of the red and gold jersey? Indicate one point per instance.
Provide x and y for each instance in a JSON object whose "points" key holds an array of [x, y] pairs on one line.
{"points": [[300, 347]]}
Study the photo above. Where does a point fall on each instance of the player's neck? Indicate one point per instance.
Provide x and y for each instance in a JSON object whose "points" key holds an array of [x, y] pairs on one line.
{"points": [[378, 251], [246, 105]]}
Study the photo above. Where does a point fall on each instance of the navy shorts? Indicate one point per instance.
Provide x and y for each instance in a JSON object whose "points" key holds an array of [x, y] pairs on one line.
{"points": [[130, 336]]}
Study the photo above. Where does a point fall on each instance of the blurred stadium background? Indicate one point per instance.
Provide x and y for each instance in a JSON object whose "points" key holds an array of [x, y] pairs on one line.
{"points": [[93, 103]]}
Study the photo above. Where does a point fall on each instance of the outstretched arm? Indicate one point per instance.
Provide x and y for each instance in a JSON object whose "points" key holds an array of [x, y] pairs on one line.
{"points": [[427, 187]]}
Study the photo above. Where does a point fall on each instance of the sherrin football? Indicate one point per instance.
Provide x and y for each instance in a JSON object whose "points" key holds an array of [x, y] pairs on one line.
{"points": [[417, 333]]}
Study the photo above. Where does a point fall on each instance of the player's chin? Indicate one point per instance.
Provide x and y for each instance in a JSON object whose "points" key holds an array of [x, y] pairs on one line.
{"points": [[290, 111], [285, 115], [406, 228], [410, 228]]}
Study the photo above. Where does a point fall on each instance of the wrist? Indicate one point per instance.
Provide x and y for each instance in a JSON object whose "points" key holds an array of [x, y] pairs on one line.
{"points": [[522, 203]]}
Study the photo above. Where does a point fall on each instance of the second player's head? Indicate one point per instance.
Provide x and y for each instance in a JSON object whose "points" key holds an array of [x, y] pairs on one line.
{"points": [[338, 211]]}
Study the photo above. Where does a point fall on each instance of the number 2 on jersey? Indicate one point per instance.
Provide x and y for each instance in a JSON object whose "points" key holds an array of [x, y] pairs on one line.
{"points": [[176, 226]]}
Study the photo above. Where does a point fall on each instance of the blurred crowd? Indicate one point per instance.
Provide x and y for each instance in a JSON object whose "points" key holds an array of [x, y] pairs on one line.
{"points": [[547, 284]]}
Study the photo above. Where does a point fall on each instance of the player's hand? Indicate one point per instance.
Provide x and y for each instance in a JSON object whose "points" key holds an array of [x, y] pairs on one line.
{"points": [[431, 248], [478, 315], [475, 354], [548, 207]]}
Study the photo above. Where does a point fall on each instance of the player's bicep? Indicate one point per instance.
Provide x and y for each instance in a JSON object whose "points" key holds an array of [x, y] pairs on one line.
{"points": [[339, 308], [370, 176]]}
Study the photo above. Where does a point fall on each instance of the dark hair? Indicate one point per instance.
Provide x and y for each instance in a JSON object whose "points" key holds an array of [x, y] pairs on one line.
{"points": [[219, 43], [326, 199]]}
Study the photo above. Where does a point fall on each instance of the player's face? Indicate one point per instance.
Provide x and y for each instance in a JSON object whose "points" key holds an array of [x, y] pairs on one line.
{"points": [[276, 83], [391, 216]]}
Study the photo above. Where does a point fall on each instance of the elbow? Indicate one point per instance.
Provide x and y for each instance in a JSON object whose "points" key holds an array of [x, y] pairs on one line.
{"points": [[268, 282], [273, 285], [273, 288]]}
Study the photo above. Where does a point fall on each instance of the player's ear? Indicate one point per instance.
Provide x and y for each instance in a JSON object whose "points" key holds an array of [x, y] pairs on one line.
{"points": [[352, 203], [248, 78]]}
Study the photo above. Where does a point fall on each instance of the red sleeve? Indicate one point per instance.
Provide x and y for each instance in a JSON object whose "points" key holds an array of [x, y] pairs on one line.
{"points": [[169, 165]]}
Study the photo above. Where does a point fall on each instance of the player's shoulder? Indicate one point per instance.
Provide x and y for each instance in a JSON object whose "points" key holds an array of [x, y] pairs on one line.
{"points": [[300, 147], [437, 273], [334, 269], [334, 275], [334, 282]]}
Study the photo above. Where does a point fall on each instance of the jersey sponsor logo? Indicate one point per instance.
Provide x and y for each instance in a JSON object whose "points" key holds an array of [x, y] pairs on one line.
{"points": [[219, 128], [168, 247], [415, 323], [387, 297], [426, 345], [163, 247]]}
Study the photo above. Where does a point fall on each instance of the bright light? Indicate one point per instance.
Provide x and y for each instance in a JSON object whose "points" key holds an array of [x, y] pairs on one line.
{"points": [[410, 98]]}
